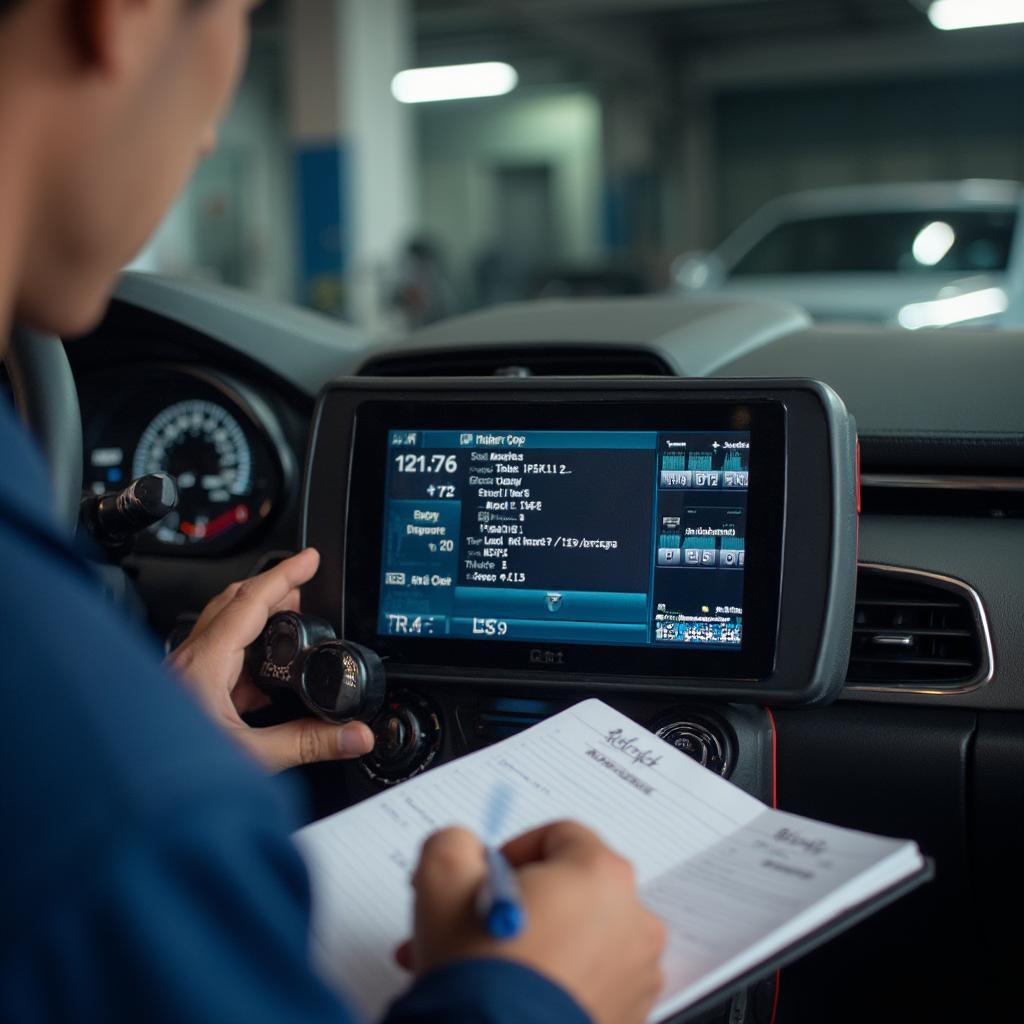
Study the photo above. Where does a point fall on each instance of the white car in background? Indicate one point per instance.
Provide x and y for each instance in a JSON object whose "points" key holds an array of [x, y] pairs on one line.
{"points": [[926, 254]]}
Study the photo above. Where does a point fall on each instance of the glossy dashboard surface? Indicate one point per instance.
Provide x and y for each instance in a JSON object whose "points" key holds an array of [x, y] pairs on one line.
{"points": [[928, 404]]}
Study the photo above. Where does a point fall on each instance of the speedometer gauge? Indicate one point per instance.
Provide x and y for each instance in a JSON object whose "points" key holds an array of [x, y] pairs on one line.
{"points": [[202, 446], [217, 437]]}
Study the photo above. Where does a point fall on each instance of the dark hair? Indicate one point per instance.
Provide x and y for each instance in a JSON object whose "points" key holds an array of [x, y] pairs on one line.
{"points": [[6, 5]]}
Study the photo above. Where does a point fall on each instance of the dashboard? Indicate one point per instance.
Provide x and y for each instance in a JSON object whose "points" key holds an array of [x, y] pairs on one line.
{"points": [[939, 421], [926, 738]]}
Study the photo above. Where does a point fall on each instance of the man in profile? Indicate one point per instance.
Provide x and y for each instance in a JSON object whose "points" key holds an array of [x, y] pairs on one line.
{"points": [[148, 874]]}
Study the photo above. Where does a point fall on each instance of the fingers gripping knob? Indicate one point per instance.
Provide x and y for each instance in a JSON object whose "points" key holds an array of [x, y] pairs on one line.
{"points": [[336, 680]]}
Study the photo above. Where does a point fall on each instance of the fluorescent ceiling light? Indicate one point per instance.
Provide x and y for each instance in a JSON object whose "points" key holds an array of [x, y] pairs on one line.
{"points": [[955, 310], [933, 242], [454, 82], [953, 14]]}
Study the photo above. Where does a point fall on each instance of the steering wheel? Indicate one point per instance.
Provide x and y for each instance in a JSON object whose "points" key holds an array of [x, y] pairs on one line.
{"points": [[47, 401]]}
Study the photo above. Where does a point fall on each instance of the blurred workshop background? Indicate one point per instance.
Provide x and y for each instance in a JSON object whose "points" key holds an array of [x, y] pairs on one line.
{"points": [[580, 147]]}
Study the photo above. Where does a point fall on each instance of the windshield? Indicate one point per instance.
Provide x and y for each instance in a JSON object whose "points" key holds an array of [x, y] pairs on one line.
{"points": [[933, 241]]}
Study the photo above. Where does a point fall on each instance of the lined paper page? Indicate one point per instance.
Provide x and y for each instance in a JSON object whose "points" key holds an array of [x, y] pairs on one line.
{"points": [[646, 800], [752, 894], [733, 880]]}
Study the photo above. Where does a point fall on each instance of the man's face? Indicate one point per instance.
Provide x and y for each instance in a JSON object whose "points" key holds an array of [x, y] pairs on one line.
{"points": [[128, 124]]}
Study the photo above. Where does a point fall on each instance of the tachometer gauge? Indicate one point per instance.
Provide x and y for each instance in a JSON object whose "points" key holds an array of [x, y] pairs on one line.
{"points": [[202, 446]]}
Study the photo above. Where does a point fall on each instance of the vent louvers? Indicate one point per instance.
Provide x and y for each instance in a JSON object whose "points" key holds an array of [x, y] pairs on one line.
{"points": [[916, 631], [534, 361]]}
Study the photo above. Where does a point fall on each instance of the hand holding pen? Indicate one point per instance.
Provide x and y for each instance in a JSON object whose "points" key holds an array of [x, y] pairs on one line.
{"points": [[587, 929]]}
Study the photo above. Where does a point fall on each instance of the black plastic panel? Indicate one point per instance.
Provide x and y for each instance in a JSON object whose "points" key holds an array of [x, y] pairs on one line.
{"points": [[906, 773], [997, 848]]}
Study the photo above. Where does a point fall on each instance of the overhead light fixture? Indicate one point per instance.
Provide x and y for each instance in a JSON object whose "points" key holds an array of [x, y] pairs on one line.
{"points": [[954, 14], [454, 82], [957, 309]]}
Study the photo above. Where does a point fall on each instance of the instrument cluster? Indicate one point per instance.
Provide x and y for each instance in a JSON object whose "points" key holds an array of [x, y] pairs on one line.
{"points": [[219, 440]]}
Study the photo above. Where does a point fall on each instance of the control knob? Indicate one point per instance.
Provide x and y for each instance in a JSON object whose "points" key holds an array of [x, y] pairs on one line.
{"points": [[407, 739], [341, 681], [115, 517], [698, 736], [337, 680]]}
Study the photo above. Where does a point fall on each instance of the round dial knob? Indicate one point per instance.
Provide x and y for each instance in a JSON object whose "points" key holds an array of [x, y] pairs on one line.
{"points": [[275, 659], [341, 681], [699, 737], [408, 737], [283, 646]]}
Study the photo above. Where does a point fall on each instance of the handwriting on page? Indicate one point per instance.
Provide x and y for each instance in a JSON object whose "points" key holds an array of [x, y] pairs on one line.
{"points": [[754, 881], [733, 880], [654, 812]]}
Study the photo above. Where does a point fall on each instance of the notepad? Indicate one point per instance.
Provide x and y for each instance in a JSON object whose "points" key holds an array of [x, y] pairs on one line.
{"points": [[742, 888]]}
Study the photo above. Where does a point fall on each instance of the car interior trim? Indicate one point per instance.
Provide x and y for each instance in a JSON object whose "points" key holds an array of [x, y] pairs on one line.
{"points": [[987, 670], [943, 482]]}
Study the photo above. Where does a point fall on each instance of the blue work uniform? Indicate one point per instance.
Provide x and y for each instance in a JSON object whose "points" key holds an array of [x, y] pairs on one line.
{"points": [[147, 870]]}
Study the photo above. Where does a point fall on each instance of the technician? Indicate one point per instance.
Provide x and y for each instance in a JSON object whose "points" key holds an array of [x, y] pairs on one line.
{"points": [[147, 871]]}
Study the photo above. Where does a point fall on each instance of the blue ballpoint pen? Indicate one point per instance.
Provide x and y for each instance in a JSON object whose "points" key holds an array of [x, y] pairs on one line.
{"points": [[499, 901]]}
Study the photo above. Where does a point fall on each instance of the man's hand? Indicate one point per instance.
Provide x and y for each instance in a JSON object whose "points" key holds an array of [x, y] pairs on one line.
{"points": [[212, 662], [586, 929]]}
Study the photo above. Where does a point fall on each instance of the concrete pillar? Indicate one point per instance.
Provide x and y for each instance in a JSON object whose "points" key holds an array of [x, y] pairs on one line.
{"points": [[314, 98], [628, 163], [376, 38], [634, 228], [354, 151]]}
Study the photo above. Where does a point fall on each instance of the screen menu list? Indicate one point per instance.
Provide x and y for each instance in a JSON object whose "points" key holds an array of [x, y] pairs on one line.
{"points": [[592, 537]]}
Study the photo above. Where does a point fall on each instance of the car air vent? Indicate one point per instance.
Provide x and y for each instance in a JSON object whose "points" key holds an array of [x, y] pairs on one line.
{"points": [[532, 361], [915, 631]]}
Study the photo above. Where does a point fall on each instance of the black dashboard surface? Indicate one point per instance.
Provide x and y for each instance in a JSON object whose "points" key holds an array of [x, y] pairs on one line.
{"points": [[939, 408]]}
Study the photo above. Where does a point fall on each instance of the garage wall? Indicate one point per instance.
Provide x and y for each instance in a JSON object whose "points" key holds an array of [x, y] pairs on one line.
{"points": [[235, 223], [463, 148]]}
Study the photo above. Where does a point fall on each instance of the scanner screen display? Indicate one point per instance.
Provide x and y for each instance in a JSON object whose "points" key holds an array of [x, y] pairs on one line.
{"points": [[582, 537]]}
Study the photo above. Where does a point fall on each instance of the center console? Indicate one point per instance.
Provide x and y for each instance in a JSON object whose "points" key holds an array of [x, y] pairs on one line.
{"points": [[684, 549]]}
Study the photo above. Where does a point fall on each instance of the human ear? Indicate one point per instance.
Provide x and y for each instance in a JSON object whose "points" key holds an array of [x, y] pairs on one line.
{"points": [[115, 36]]}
